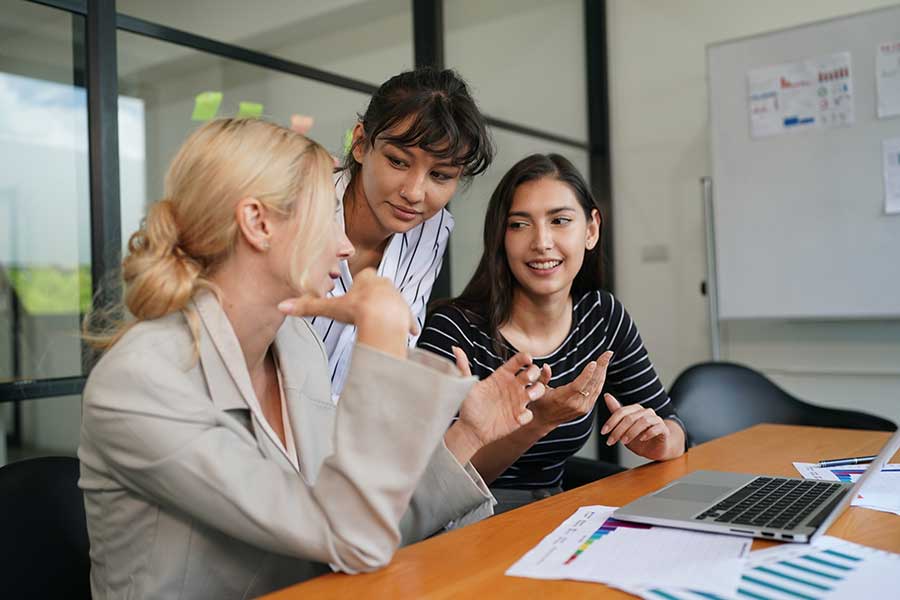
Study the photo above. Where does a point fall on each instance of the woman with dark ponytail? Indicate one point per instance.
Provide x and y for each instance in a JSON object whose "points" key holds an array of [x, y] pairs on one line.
{"points": [[214, 462], [419, 138]]}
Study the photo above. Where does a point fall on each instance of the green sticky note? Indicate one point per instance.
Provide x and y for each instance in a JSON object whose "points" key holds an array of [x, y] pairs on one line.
{"points": [[250, 109], [206, 105], [348, 140]]}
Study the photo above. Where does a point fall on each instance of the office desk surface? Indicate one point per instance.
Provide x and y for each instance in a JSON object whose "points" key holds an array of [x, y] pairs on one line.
{"points": [[470, 562]]}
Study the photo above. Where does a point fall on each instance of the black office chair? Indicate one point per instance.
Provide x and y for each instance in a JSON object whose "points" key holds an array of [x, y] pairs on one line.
{"points": [[580, 471], [717, 398], [43, 534]]}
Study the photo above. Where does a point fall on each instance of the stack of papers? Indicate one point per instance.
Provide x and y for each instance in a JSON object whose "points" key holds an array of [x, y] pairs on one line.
{"points": [[881, 491], [592, 546], [831, 569]]}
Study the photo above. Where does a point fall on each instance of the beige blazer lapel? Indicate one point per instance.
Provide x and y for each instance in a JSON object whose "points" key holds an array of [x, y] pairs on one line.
{"points": [[221, 356], [227, 376], [311, 416]]}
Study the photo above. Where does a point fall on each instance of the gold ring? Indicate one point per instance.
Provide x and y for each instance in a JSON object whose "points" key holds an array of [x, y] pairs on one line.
{"points": [[584, 393]]}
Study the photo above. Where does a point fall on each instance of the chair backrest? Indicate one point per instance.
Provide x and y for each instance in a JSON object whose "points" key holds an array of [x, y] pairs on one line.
{"points": [[717, 398], [43, 533]]}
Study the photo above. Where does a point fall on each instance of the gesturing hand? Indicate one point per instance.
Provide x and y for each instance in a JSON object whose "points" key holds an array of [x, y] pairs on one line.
{"points": [[381, 315], [573, 400], [498, 405], [370, 296], [641, 429]]}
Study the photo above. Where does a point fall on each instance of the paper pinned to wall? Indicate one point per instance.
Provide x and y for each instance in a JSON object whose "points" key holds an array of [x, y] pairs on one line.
{"points": [[891, 159], [887, 79], [801, 95]]}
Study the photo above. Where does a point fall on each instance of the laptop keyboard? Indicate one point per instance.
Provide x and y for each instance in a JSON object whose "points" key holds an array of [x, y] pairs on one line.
{"points": [[772, 502]]}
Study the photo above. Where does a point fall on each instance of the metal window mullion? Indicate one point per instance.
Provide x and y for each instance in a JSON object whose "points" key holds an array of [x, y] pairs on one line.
{"points": [[103, 137], [599, 150], [532, 132], [428, 50], [17, 391], [428, 33], [238, 53], [598, 123], [73, 6]]}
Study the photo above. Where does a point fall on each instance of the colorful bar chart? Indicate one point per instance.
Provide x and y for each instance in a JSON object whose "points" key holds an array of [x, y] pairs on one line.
{"points": [[850, 475], [608, 527]]}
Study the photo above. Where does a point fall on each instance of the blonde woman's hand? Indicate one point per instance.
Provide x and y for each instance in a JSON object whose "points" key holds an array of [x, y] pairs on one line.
{"points": [[382, 317], [573, 400], [495, 406]]}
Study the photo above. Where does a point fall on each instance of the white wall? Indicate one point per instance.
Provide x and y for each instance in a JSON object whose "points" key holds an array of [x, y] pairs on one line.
{"points": [[660, 149]]}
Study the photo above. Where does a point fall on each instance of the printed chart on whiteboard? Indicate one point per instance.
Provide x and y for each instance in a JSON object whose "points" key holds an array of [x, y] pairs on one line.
{"points": [[797, 96], [887, 79]]}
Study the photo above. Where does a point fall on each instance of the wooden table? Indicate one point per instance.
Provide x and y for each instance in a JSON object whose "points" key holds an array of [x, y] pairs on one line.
{"points": [[470, 562]]}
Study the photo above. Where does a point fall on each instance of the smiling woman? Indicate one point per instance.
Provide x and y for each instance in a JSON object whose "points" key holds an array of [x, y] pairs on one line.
{"points": [[421, 135], [537, 289]]}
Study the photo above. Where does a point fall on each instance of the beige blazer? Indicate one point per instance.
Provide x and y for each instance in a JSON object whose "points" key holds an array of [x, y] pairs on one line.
{"points": [[187, 496]]}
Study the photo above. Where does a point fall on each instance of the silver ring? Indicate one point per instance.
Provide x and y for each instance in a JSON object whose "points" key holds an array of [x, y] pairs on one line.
{"points": [[583, 393]]}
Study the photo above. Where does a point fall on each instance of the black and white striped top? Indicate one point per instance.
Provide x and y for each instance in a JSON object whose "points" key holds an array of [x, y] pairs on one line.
{"points": [[412, 260], [599, 323]]}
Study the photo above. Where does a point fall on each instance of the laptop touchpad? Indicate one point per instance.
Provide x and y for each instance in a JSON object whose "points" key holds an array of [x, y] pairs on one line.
{"points": [[694, 492]]}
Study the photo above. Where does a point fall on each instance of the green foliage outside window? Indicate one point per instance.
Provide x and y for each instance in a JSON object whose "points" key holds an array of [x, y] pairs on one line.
{"points": [[52, 290]]}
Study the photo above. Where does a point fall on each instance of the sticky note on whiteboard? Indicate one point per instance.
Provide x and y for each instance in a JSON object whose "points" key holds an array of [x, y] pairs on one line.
{"points": [[206, 105], [250, 109]]}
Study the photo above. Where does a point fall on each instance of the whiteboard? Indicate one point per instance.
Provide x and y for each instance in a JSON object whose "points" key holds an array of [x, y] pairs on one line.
{"points": [[800, 223]]}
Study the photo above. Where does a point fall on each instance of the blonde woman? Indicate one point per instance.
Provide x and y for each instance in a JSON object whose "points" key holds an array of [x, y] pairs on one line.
{"points": [[213, 461]]}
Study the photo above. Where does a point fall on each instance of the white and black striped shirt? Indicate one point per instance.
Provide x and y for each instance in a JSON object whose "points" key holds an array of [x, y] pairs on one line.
{"points": [[599, 323], [412, 260]]}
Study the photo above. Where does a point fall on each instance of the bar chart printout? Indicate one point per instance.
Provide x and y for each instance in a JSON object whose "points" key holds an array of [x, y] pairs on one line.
{"points": [[831, 569]]}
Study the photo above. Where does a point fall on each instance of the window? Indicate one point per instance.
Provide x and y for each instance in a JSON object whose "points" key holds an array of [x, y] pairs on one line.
{"points": [[368, 40], [321, 58], [525, 60], [45, 283], [162, 80]]}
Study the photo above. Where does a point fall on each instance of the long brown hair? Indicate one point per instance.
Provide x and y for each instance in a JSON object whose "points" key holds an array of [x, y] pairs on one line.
{"points": [[489, 294]]}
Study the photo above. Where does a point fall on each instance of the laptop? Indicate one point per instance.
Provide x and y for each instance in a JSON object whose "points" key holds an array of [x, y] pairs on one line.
{"points": [[790, 509]]}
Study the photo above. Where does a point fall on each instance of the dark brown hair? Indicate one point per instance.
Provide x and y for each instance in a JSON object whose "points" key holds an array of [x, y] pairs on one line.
{"points": [[489, 294], [444, 119]]}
